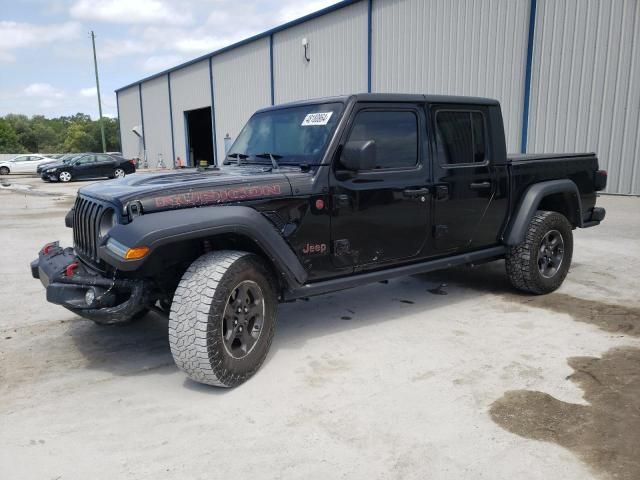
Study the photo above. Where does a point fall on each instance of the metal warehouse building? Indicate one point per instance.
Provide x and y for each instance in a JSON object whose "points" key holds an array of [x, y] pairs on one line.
{"points": [[567, 73]]}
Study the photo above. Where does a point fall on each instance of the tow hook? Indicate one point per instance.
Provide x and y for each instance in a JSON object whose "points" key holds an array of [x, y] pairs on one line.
{"points": [[68, 271], [47, 248]]}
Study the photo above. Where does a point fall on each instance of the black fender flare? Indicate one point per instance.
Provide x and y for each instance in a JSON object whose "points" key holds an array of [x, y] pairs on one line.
{"points": [[163, 228], [517, 228]]}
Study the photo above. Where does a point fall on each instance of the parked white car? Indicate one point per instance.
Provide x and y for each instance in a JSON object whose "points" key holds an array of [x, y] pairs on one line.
{"points": [[23, 164]]}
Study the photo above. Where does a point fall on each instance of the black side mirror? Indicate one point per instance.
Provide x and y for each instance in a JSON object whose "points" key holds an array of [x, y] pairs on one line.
{"points": [[359, 155]]}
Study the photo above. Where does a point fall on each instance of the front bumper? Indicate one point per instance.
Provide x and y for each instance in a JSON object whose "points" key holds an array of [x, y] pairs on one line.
{"points": [[68, 280]]}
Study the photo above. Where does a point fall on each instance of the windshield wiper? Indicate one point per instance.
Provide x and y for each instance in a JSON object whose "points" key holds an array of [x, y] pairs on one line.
{"points": [[238, 157], [272, 157]]}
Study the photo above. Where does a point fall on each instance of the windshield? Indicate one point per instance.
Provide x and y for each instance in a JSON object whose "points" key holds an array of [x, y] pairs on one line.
{"points": [[295, 135], [70, 158]]}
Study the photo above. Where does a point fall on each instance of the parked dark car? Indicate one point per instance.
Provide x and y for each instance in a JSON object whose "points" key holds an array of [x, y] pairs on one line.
{"points": [[318, 196], [89, 165], [66, 158]]}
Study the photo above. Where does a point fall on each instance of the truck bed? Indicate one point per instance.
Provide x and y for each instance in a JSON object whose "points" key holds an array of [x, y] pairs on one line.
{"points": [[525, 170], [528, 157]]}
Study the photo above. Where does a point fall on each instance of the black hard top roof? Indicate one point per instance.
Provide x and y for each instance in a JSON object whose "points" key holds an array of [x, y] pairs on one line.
{"points": [[390, 97]]}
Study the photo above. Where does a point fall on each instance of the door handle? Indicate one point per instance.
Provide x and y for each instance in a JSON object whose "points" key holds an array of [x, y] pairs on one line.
{"points": [[480, 185], [416, 192], [341, 200]]}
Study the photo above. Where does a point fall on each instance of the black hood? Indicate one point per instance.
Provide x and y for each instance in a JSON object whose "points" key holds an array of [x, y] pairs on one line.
{"points": [[52, 164], [193, 188]]}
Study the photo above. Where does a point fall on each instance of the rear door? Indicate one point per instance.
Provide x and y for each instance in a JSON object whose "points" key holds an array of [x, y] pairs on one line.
{"points": [[465, 181], [105, 165], [382, 215]]}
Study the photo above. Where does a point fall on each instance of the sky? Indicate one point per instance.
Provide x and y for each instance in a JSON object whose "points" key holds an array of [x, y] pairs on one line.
{"points": [[46, 63]]}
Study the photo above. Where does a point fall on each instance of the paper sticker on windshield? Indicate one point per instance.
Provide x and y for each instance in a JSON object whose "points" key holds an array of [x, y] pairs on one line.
{"points": [[316, 119]]}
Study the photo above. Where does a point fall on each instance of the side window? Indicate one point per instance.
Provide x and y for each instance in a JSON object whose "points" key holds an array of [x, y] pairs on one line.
{"points": [[87, 159], [460, 137], [23, 158], [395, 134], [103, 158]]}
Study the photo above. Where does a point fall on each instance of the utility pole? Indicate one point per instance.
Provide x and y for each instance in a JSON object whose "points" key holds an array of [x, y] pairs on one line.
{"points": [[95, 65]]}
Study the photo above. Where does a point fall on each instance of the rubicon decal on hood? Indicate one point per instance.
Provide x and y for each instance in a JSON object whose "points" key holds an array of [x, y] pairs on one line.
{"points": [[198, 198]]}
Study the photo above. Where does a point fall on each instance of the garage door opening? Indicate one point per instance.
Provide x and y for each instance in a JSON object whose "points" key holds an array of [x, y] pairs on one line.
{"points": [[199, 136]]}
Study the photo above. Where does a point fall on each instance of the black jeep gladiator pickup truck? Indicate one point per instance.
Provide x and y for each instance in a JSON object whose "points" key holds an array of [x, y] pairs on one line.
{"points": [[314, 197]]}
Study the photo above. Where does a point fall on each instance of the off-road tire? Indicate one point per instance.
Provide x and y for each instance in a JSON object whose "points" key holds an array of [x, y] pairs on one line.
{"points": [[4, 171], [197, 316], [522, 259]]}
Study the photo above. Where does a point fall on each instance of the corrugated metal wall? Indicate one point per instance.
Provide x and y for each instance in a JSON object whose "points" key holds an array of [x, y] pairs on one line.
{"points": [[157, 126], [462, 47], [586, 84], [338, 53], [190, 89], [242, 84], [129, 111]]}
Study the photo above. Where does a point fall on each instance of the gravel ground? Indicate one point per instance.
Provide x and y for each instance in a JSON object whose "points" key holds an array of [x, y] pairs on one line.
{"points": [[391, 380]]}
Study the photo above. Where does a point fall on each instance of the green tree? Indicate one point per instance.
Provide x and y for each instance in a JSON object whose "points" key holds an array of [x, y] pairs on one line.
{"points": [[47, 139], [78, 139], [22, 126], [74, 133], [9, 142]]}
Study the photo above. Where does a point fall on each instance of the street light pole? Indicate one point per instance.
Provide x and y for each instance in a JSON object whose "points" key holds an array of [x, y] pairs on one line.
{"points": [[95, 65]]}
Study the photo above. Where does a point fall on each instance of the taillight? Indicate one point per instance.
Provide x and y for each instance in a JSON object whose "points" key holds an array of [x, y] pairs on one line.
{"points": [[132, 162], [600, 180]]}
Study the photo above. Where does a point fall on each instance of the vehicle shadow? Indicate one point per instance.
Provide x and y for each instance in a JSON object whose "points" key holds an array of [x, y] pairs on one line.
{"points": [[382, 302], [137, 348], [143, 347]]}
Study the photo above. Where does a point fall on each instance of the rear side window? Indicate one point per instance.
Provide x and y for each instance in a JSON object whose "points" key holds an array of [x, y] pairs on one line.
{"points": [[460, 137], [395, 134]]}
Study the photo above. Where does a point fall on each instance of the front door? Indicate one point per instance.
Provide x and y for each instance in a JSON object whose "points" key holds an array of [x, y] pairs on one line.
{"points": [[465, 182], [382, 214], [21, 164], [85, 167]]}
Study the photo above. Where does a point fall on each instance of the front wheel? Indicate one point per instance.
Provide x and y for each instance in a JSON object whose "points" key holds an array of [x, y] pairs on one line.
{"points": [[64, 177], [541, 262], [4, 171], [223, 318]]}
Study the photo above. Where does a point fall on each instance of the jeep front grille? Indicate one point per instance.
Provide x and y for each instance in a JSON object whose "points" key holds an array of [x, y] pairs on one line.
{"points": [[86, 225]]}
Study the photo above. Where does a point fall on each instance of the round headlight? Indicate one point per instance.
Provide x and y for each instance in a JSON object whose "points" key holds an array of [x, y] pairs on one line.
{"points": [[107, 221]]}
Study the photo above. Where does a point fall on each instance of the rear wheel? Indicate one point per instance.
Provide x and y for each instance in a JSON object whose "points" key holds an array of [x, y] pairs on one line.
{"points": [[119, 173], [223, 318], [541, 262], [64, 177], [4, 171]]}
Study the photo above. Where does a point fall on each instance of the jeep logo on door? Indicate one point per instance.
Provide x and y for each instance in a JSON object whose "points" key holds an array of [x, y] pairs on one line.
{"points": [[314, 249]]}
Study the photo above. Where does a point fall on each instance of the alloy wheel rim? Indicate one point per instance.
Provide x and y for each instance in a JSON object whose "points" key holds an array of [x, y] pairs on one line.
{"points": [[243, 319], [119, 173], [65, 176], [550, 253]]}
